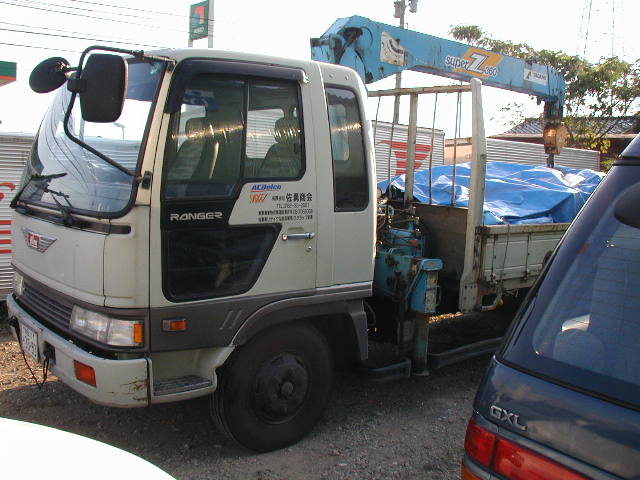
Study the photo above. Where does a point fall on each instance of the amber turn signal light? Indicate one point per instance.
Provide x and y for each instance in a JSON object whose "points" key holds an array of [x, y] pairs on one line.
{"points": [[85, 373]]}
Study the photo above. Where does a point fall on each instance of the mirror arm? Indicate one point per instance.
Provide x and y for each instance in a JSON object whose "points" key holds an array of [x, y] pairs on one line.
{"points": [[134, 53], [76, 140], [76, 85]]}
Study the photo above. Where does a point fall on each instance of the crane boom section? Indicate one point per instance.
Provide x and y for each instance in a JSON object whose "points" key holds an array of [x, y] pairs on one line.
{"points": [[376, 50]]}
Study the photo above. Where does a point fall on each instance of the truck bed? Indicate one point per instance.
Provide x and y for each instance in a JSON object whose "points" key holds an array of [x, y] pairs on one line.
{"points": [[506, 257]]}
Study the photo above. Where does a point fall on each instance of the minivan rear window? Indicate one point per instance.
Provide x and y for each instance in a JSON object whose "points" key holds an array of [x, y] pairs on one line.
{"points": [[581, 326]]}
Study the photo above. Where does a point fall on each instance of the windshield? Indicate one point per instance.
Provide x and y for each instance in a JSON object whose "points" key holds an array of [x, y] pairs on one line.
{"points": [[581, 327], [83, 182]]}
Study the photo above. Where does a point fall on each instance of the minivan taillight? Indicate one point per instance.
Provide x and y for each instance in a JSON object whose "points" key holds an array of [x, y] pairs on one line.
{"points": [[479, 443], [510, 459]]}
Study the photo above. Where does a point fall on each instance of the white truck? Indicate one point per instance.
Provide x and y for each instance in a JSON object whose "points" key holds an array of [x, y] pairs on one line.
{"points": [[170, 242]]}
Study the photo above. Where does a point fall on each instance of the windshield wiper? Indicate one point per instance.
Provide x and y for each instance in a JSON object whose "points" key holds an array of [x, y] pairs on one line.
{"points": [[67, 219], [35, 176]]}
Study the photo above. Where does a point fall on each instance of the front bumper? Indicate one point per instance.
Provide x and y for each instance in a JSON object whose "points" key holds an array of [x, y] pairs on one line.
{"points": [[119, 383]]}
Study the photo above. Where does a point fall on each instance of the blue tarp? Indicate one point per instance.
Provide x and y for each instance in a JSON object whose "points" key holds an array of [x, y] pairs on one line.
{"points": [[514, 193]]}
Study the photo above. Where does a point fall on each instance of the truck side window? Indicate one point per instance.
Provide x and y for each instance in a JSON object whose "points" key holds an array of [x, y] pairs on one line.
{"points": [[229, 129], [351, 192], [274, 134]]}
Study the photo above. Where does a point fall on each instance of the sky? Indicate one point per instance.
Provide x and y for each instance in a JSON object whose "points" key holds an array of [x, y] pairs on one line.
{"points": [[283, 28]]}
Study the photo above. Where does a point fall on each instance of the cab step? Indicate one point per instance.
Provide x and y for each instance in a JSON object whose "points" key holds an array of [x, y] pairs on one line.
{"points": [[180, 384]]}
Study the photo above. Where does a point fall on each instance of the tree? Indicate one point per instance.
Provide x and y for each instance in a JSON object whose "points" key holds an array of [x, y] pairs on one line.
{"points": [[609, 88]]}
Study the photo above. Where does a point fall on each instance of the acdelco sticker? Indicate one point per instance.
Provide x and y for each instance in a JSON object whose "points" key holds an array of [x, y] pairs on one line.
{"points": [[260, 192], [476, 62]]}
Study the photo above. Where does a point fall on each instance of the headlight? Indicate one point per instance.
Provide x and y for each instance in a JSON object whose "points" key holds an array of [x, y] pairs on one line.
{"points": [[105, 329], [18, 284]]}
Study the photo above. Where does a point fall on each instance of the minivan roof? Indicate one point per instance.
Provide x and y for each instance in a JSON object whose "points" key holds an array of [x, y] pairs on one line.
{"points": [[633, 149]]}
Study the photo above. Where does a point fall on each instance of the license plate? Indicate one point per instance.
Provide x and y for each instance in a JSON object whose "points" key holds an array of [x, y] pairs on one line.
{"points": [[29, 341]]}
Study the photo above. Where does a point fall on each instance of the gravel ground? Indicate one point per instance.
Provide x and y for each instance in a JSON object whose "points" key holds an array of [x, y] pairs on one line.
{"points": [[400, 430]]}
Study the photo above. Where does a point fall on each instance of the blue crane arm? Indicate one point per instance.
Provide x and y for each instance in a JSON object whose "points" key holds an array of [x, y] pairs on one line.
{"points": [[376, 50]]}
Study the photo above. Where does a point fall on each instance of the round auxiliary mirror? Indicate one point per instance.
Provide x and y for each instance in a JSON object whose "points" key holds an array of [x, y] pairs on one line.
{"points": [[48, 75]]}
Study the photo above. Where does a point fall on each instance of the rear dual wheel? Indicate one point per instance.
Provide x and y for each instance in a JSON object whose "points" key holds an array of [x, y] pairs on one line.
{"points": [[273, 390]]}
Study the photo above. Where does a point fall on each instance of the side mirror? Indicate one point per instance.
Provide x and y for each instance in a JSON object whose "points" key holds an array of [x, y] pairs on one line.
{"points": [[626, 208], [102, 87], [49, 75]]}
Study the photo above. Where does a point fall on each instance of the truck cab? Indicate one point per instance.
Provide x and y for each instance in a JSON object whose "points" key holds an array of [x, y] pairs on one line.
{"points": [[208, 230]]}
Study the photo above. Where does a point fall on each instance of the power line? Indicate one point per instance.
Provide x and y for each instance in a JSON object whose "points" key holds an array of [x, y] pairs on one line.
{"points": [[617, 28], [112, 39], [42, 48], [5, 2], [622, 29], [94, 39], [610, 12], [83, 9], [131, 8], [585, 23], [129, 40], [35, 2]]}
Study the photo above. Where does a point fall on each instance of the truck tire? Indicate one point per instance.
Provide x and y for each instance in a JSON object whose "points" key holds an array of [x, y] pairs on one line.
{"points": [[273, 390]]}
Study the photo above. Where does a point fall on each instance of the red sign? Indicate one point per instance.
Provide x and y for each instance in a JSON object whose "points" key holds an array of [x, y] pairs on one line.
{"points": [[400, 152], [5, 241]]}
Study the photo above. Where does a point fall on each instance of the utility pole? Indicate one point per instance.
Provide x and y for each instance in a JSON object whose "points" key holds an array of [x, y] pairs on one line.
{"points": [[210, 20], [400, 8]]}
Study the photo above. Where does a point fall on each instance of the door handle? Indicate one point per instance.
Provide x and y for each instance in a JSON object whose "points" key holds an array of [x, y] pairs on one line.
{"points": [[298, 236]]}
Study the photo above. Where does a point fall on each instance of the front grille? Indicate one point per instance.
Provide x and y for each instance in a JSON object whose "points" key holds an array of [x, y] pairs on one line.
{"points": [[53, 310], [45, 307]]}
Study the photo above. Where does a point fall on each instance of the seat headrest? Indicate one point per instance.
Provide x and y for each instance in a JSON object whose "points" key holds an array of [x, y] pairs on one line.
{"points": [[287, 130], [195, 128]]}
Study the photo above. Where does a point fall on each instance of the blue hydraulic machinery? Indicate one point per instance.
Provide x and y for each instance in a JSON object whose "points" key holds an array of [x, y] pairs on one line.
{"points": [[404, 273], [377, 50]]}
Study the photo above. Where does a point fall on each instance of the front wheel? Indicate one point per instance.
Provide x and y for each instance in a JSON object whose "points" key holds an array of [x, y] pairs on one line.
{"points": [[273, 390]]}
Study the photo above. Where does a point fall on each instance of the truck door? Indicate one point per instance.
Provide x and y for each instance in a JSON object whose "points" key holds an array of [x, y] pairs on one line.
{"points": [[236, 217], [353, 180]]}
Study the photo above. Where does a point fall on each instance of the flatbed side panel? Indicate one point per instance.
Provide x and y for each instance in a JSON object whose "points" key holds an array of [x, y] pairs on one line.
{"points": [[507, 251], [509, 256], [522, 228], [515, 254]]}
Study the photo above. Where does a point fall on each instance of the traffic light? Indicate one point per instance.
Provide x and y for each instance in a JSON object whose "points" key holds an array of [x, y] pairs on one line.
{"points": [[399, 6]]}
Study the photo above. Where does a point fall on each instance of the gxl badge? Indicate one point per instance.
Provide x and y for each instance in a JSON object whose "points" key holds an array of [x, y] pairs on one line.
{"points": [[505, 416]]}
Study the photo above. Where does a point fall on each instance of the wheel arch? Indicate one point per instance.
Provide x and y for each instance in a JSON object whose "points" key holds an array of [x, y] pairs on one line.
{"points": [[343, 323]]}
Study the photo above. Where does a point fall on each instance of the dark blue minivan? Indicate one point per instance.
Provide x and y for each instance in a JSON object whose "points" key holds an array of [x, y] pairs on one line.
{"points": [[561, 398]]}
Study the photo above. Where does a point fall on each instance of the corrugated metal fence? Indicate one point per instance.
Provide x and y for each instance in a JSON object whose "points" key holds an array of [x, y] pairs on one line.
{"points": [[533, 154], [14, 150]]}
